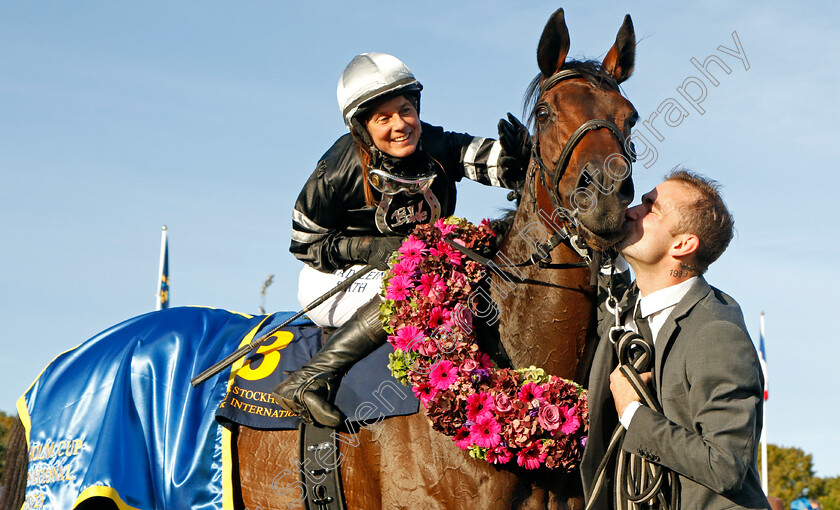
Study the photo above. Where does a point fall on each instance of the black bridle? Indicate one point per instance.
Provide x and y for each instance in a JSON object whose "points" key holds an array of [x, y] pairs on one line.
{"points": [[553, 178], [571, 227]]}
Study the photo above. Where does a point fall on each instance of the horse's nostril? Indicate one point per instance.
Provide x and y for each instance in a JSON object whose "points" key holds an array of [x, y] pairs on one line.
{"points": [[626, 191]]}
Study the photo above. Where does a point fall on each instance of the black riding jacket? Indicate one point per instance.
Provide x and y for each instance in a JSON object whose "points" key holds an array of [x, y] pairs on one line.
{"points": [[332, 203]]}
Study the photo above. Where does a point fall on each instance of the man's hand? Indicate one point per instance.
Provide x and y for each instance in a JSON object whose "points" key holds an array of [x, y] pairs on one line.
{"points": [[622, 391]]}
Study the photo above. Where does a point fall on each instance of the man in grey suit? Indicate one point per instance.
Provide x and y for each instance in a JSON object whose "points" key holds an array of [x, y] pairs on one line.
{"points": [[706, 374]]}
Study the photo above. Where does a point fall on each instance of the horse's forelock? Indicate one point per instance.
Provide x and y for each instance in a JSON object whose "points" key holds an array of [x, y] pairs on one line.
{"points": [[591, 70]]}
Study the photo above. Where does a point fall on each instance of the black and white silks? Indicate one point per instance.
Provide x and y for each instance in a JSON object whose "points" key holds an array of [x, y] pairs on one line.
{"points": [[332, 206]]}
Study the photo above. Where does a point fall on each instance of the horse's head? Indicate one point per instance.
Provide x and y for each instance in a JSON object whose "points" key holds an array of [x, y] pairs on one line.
{"points": [[581, 122]]}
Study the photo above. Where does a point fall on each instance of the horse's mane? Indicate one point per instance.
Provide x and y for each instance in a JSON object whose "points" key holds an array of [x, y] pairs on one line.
{"points": [[589, 69]]}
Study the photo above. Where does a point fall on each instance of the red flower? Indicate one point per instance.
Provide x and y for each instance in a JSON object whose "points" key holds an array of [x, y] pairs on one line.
{"points": [[530, 391], [479, 405], [462, 438], [438, 317], [424, 392], [499, 455], [464, 394], [531, 457]]}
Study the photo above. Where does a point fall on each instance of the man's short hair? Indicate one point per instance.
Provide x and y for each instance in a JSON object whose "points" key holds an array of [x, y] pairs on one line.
{"points": [[706, 217]]}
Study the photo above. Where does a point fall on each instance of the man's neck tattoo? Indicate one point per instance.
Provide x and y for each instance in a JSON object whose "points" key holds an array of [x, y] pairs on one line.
{"points": [[684, 271]]}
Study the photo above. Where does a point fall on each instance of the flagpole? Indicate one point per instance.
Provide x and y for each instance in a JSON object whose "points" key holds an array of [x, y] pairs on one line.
{"points": [[159, 302], [764, 481]]}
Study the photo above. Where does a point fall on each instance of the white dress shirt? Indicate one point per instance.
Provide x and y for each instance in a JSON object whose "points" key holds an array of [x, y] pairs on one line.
{"points": [[655, 307]]}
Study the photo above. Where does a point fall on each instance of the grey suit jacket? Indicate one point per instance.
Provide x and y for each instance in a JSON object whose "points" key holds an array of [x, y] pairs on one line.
{"points": [[709, 382]]}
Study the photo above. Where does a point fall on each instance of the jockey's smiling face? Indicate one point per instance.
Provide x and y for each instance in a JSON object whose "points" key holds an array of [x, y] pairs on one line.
{"points": [[394, 127]]}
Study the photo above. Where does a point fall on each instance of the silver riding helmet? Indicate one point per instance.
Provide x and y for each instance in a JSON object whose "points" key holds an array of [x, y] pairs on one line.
{"points": [[372, 76]]}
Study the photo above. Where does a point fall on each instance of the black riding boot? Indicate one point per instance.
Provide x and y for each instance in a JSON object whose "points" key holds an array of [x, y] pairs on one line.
{"points": [[309, 389]]}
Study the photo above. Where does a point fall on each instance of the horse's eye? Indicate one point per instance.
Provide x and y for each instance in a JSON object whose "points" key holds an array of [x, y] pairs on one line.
{"points": [[542, 113]]}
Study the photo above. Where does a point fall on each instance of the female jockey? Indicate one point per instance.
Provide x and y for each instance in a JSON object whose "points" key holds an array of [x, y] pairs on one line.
{"points": [[390, 173]]}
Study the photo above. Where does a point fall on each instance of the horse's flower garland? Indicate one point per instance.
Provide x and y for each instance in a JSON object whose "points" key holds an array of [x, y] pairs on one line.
{"points": [[498, 415]]}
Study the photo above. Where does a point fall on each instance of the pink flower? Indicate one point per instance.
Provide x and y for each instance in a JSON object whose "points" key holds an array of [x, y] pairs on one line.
{"points": [[428, 348], [485, 432], [468, 366], [438, 317], [502, 403], [398, 287], [531, 457], [479, 405], [499, 455], [424, 392], [463, 318], [572, 423], [530, 391], [549, 417], [445, 228], [463, 439], [432, 286], [406, 338], [412, 250], [447, 253], [443, 375], [401, 268]]}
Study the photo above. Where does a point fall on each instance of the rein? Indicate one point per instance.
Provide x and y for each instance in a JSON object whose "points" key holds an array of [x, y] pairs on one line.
{"points": [[638, 481]]}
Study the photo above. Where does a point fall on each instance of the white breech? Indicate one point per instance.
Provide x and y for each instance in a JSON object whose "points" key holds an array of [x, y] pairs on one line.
{"points": [[334, 312]]}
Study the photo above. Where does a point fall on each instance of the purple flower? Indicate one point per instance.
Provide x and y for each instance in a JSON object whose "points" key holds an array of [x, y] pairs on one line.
{"points": [[479, 375]]}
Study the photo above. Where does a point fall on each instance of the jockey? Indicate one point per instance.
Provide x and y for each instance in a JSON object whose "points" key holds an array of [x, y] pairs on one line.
{"points": [[390, 173]]}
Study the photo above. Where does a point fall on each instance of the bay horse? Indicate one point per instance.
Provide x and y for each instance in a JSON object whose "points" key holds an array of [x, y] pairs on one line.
{"points": [[545, 315]]}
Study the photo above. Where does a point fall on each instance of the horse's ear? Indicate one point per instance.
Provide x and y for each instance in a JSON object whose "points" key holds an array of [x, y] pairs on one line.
{"points": [[554, 44], [621, 58]]}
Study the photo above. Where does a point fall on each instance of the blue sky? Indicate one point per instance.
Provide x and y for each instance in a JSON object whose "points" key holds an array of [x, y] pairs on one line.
{"points": [[118, 118]]}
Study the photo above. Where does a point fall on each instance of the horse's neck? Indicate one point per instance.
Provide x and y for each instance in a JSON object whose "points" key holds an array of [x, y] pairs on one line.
{"points": [[546, 320]]}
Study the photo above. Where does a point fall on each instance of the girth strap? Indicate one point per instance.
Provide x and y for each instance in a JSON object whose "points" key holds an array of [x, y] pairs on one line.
{"points": [[320, 468]]}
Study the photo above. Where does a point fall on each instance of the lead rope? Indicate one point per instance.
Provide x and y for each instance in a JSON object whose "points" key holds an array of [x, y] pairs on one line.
{"points": [[638, 482]]}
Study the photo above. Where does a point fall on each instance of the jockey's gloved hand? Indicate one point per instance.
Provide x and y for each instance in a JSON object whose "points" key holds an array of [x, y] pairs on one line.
{"points": [[372, 250], [516, 152]]}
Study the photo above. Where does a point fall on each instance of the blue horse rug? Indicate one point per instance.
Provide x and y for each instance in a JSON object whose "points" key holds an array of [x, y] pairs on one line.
{"points": [[117, 417]]}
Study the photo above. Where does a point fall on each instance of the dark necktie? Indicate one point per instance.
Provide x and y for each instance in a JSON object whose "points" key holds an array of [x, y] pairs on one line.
{"points": [[642, 325]]}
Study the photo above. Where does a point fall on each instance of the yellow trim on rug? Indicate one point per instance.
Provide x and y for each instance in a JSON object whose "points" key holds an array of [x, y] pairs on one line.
{"points": [[227, 469], [105, 492]]}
